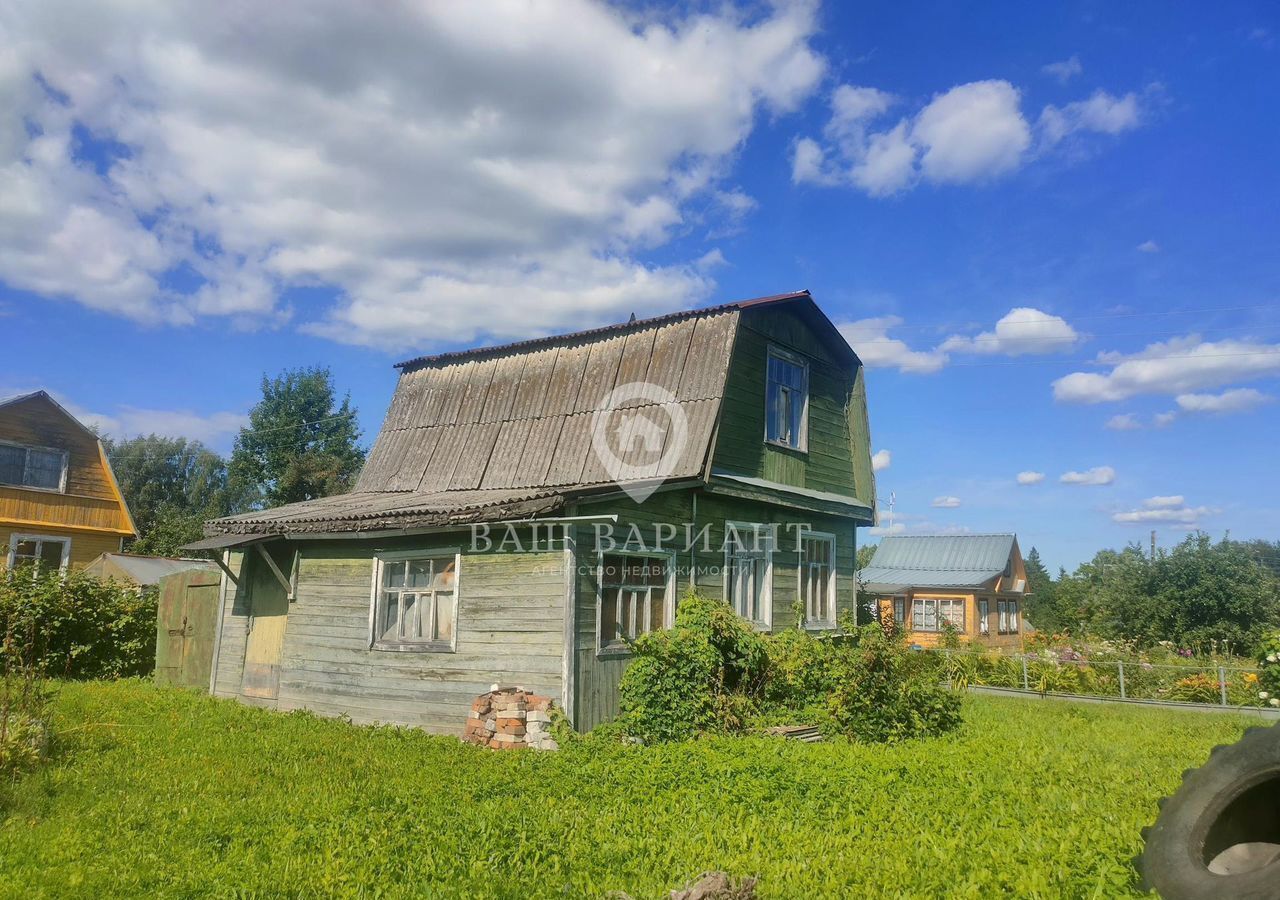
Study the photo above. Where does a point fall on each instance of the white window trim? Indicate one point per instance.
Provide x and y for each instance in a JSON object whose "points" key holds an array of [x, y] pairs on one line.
{"points": [[62, 481], [385, 556], [983, 612], [938, 618], [796, 359], [16, 538], [769, 546], [669, 601], [801, 567]]}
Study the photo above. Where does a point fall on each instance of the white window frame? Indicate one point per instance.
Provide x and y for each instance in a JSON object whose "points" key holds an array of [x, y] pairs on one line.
{"points": [[668, 605], [938, 618], [802, 439], [1009, 620], [16, 539], [375, 596], [802, 570], [62, 480], [984, 616], [762, 547], [900, 610]]}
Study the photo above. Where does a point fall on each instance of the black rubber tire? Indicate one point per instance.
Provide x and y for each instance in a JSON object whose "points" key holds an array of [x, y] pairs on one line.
{"points": [[1241, 779]]}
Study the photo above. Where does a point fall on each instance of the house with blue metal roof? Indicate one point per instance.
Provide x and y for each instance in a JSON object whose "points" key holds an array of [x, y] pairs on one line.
{"points": [[930, 584]]}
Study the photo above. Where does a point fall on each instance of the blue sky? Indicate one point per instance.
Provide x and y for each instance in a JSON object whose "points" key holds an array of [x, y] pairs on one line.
{"points": [[191, 200]]}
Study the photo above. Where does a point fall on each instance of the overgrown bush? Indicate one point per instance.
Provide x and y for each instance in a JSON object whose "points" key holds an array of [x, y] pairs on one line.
{"points": [[24, 700], [884, 695], [78, 626], [1269, 661], [714, 673], [703, 675]]}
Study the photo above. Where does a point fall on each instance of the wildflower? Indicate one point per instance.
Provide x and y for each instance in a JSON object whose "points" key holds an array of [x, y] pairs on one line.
{"points": [[1263, 695], [1275, 701], [1271, 657], [1250, 678]]}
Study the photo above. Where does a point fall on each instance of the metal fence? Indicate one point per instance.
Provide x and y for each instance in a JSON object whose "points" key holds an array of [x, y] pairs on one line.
{"points": [[1230, 686]]}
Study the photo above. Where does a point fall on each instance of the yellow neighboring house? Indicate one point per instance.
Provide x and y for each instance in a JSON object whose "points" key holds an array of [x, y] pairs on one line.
{"points": [[975, 582], [60, 505]]}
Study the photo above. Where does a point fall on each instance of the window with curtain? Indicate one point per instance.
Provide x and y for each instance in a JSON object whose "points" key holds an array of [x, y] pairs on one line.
{"points": [[786, 400], [818, 579], [416, 602], [929, 614], [32, 467], [634, 591], [748, 566], [984, 623]]}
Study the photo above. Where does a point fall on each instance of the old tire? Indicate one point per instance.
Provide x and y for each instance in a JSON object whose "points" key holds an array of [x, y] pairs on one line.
{"points": [[1218, 836]]}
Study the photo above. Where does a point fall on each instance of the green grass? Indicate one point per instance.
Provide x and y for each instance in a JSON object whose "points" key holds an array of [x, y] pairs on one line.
{"points": [[159, 792]]}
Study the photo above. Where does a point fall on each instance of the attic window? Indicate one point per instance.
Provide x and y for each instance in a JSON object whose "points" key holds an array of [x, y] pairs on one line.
{"points": [[33, 467], [787, 400]]}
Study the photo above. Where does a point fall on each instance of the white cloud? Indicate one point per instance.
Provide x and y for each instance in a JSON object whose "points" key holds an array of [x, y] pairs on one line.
{"points": [[1102, 113], [1165, 501], [881, 530], [452, 172], [881, 460], [1164, 419], [972, 133], [1124, 422], [1177, 366], [869, 338], [1149, 246], [1019, 332], [1027, 478], [1098, 475], [945, 502], [1168, 513], [1065, 70], [1238, 400]]}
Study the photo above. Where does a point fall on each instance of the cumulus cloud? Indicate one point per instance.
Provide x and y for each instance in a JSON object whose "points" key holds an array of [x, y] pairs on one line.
{"points": [[1148, 246], [1098, 475], [881, 460], [1173, 367], [1167, 510], [447, 173], [1124, 422], [972, 133], [1064, 70], [1164, 419], [1021, 331], [870, 339], [1028, 478], [945, 502], [1238, 400], [1102, 113]]}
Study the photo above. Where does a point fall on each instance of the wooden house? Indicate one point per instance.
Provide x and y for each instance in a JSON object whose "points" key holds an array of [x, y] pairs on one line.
{"points": [[528, 509], [976, 583], [60, 505]]}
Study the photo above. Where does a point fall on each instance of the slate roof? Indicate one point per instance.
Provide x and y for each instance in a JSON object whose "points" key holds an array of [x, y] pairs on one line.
{"points": [[937, 561], [506, 432]]}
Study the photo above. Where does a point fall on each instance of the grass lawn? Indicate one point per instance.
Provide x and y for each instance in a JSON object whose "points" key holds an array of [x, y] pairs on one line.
{"points": [[159, 792]]}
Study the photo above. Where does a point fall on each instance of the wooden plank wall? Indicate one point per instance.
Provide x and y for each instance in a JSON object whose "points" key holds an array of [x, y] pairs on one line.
{"points": [[833, 404], [229, 661], [85, 546], [510, 629], [597, 677]]}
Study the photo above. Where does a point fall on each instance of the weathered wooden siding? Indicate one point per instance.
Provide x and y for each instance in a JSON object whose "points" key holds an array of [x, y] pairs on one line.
{"points": [[838, 455], [86, 546], [510, 629], [597, 676], [233, 631]]}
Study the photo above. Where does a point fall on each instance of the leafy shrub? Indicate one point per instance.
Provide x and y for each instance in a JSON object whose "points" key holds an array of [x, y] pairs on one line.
{"points": [[1269, 662], [703, 675], [78, 626], [885, 696], [1198, 688]]}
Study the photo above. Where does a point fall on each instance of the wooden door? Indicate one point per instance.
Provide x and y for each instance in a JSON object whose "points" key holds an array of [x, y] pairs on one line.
{"points": [[268, 615], [187, 612]]}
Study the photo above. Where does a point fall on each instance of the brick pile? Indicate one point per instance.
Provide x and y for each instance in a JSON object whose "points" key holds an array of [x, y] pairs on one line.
{"points": [[509, 718]]}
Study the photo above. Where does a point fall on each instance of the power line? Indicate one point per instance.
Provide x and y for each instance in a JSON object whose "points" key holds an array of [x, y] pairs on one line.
{"points": [[348, 415]]}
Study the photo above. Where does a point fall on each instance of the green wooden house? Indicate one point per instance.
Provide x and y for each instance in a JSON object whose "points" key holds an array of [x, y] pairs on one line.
{"points": [[528, 509]]}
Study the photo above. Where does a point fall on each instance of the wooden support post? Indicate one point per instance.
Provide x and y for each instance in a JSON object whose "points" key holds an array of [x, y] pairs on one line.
{"points": [[280, 577], [1026, 681], [1222, 684], [226, 570], [1120, 667]]}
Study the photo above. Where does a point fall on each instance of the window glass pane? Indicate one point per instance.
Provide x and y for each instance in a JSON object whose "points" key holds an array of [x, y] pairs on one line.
{"points": [[608, 617], [28, 549], [444, 617], [44, 469], [393, 574], [411, 626], [389, 628], [419, 575], [773, 407], [657, 609], [50, 555], [12, 461]]}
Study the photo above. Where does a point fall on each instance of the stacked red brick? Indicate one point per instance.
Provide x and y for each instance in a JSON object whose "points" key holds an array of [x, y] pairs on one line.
{"points": [[510, 718]]}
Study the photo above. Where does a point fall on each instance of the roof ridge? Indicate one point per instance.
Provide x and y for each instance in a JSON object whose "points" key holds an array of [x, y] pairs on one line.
{"points": [[602, 329]]}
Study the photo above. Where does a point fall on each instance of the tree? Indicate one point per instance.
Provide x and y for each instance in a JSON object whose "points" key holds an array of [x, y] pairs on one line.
{"points": [[1041, 608], [172, 486], [298, 445], [863, 559]]}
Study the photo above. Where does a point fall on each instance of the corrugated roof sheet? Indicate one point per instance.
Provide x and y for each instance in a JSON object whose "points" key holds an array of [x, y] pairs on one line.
{"points": [[937, 560], [143, 570]]}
